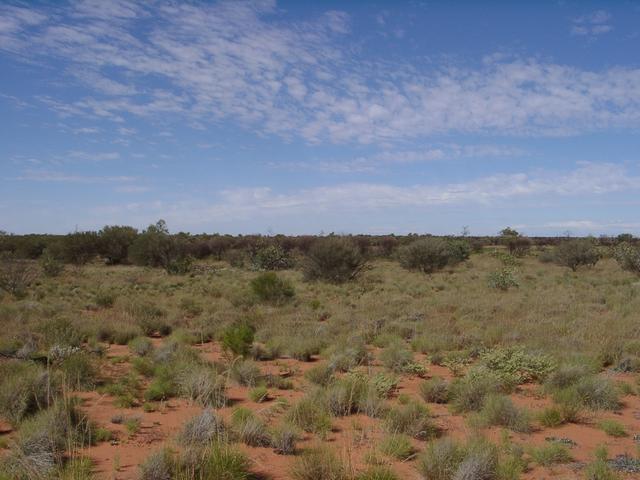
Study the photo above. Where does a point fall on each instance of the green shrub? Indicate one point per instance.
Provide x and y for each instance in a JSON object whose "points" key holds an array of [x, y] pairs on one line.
{"points": [[309, 414], [50, 265], [238, 339], [105, 298], [397, 445], [249, 429], [411, 419], [468, 393], [550, 454], [321, 374], [203, 385], [259, 394], [269, 287], [16, 274], [333, 259], [613, 428], [79, 372], [431, 254], [551, 417], [114, 243], [517, 364], [503, 279], [396, 357], [271, 257], [499, 410], [435, 390], [599, 469], [377, 473], [628, 257], [576, 253], [319, 463], [441, 460], [598, 393]]}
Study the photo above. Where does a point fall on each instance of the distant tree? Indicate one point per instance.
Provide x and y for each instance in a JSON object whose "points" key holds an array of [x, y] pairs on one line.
{"points": [[430, 254], [115, 241], [516, 243], [628, 257], [333, 259], [624, 237], [576, 253], [79, 247], [155, 247]]}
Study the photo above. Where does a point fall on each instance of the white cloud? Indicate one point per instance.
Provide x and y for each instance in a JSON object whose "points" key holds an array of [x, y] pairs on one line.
{"points": [[237, 61], [60, 177], [93, 156], [592, 24]]}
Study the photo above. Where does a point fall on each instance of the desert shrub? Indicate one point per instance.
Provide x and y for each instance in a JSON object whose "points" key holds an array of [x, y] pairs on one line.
{"points": [[321, 374], [181, 265], [503, 279], [318, 463], [158, 466], [79, 247], [441, 459], [346, 355], [468, 393], [246, 373], [431, 254], [60, 333], [249, 429], [411, 419], [396, 357], [613, 428], [203, 385], [224, 462], [16, 275], [550, 454], [435, 390], [114, 243], [516, 243], [599, 468], [259, 394], [344, 395], [499, 410], [576, 253], [203, 429], [141, 346], [155, 247], [597, 393], [517, 364], [551, 417], [397, 445], [238, 339], [50, 265], [271, 257], [628, 257], [269, 287], [25, 388], [565, 376], [79, 371], [105, 298], [162, 387], [383, 384], [283, 440], [333, 259], [309, 414], [377, 473], [303, 349]]}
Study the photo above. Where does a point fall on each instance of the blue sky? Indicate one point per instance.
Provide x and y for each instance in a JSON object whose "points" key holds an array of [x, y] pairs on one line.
{"points": [[293, 117]]}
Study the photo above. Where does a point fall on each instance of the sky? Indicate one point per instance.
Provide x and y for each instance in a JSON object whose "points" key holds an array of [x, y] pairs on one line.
{"points": [[314, 117]]}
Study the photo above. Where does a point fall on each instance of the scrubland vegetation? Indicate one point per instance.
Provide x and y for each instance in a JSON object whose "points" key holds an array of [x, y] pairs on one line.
{"points": [[152, 355]]}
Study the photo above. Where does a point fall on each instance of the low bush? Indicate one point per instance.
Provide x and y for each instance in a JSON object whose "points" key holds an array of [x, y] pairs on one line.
{"points": [[518, 365], [141, 346], [468, 393], [441, 460], [79, 371], [269, 287], [397, 445], [550, 454], [319, 463], [612, 428], [271, 257], [499, 410], [333, 259], [435, 390], [503, 279], [412, 419], [238, 339], [377, 473], [310, 414], [431, 254], [245, 372], [249, 429], [203, 385], [551, 417], [284, 439], [25, 388], [16, 274], [259, 394], [203, 429], [50, 265], [628, 257]]}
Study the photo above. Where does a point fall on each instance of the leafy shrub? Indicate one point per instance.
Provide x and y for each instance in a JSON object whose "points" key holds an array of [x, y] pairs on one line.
{"points": [[238, 339], [435, 390], [333, 259], [576, 253], [411, 419], [114, 243], [271, 257], [628, 257], [430, 254], [517, 364], [203, 429], [269, 287], [318, 463], [16, 275], [502, 279]]}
